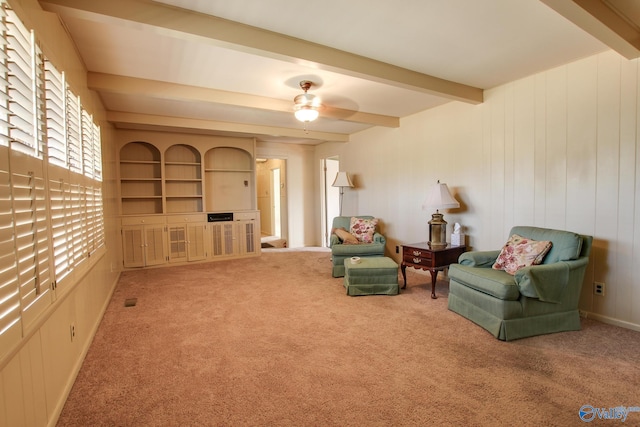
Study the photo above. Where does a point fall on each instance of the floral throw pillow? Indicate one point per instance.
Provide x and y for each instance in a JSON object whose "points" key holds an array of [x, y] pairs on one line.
{"points": [[521, 252], [363, 229]]}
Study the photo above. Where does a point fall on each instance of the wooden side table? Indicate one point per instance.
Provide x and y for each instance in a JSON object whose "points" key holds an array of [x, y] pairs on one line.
{"points": [[423, 257]]}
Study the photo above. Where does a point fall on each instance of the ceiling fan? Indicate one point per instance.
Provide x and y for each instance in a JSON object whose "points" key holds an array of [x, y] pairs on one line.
{"points": [[306, 105]]}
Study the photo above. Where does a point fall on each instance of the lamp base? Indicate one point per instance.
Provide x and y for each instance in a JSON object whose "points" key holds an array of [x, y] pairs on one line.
{"points": [[437, 231]]}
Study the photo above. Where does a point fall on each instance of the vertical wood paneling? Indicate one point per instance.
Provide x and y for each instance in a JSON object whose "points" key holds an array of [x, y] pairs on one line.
{"points": [[540, 155], [556, 171], [558, 149], [607, 170], [487, 235], [39, 402], [13, 393], [524, 152], [509, 159], [626, 179], [581, 156], [581, 145], [497, 164]]}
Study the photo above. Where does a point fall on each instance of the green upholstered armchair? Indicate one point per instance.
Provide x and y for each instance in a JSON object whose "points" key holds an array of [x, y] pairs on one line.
{"points": [[538, 299], [341, 251]]}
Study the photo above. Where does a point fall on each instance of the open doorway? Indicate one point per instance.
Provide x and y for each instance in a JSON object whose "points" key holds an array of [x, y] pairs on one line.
{"points": [[331, 196], [272, 194]]}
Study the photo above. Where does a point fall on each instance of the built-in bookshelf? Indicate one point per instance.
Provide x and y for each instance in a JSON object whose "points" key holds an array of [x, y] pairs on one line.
{"points": [[168, 189], [140, 179], [183, 179]]}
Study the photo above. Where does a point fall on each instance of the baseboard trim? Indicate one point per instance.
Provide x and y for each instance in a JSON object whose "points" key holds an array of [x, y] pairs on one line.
{"points": [[611, 321]]}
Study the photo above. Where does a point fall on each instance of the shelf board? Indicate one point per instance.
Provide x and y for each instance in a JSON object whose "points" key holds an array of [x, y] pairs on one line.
{"points": [[140, 162], [182, 163], [140, 179], [140, 197], [182, 180], [228, 170], [195, 196]]}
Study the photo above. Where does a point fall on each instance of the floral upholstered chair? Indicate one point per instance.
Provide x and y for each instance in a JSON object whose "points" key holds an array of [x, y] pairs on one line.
{"points": [[354, 236]]}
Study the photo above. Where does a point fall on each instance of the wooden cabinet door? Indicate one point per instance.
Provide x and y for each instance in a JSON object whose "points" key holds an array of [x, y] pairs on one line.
{"points": [[155, 245], [133, 246], [177, 235], [196, 243], [247, 237], [223, 239]]}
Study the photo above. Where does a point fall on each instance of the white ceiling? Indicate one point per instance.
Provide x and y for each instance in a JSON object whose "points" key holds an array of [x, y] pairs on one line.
{"points": [[232, 80]]}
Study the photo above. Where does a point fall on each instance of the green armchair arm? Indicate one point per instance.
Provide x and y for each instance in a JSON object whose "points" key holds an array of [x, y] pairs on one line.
{"points": [[379, 238], [547, 282], [334, 240], [483, 259]]}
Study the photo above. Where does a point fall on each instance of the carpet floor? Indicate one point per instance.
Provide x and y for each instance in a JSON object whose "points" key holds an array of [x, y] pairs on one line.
{"points": [[275, 341]]}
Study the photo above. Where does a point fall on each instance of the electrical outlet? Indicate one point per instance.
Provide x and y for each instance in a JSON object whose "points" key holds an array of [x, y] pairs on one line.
{"points": [[582, 314], [397, 249], [598, 288], [72, 331]]}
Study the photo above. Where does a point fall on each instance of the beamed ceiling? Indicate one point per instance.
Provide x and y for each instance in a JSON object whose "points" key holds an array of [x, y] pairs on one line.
{"points": [[226, 67]]}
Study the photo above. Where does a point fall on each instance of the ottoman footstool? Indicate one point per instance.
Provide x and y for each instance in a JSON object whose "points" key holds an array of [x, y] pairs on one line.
{"points": [[371, 276]]}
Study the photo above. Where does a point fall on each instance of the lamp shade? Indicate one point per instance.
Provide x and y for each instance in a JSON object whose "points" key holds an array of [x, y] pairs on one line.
{"points": [[439, 197], [342, 180], [306, 114]]}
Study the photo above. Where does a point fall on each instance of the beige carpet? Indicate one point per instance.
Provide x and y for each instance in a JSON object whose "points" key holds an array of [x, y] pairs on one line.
{"points": [[274, 341]]}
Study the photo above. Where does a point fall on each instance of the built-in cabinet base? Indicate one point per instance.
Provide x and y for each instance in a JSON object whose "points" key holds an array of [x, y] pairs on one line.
{"points": [[149, 241]]}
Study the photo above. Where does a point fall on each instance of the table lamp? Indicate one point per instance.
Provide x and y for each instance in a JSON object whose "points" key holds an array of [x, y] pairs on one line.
{"points": [[439, 197]]}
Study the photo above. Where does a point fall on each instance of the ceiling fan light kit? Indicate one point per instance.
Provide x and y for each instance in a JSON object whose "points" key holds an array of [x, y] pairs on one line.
{"points": [[306, 105]]}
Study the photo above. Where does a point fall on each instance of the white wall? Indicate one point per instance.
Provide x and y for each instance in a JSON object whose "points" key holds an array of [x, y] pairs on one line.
{"points": [[557, 149]]}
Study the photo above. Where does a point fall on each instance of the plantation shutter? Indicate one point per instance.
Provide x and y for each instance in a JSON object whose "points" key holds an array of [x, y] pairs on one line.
{"points": [[59, 192], [97, 153], [72, 126], [4, 83], [10, 324], [76, 215], [99, 217], [31, 239], [87, 144], [22, 106], [54, 101]]}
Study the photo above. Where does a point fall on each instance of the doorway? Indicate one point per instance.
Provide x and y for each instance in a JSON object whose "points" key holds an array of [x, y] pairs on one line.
{"points": [[272, 202]]}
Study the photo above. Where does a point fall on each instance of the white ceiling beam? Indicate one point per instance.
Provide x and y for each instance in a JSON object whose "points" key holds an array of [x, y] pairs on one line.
{"points": [[117, 117], [598, 18], [110, 83], [221, 32]]}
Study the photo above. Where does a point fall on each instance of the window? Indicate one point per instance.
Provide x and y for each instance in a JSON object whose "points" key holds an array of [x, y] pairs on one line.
{"points": [[51, 208]]}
